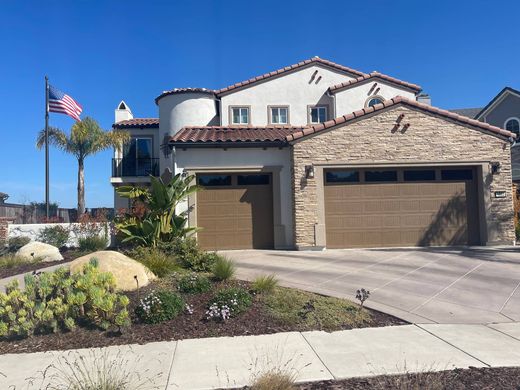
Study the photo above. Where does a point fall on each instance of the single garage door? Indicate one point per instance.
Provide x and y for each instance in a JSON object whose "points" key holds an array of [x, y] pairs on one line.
{"points": [[401, 207], [235, 211]]}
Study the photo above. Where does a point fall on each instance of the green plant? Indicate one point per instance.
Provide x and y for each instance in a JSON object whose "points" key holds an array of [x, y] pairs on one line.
{"points": [[86, 138], [156, 220], [56, 235], [312, 311], [92, 244], [10, 260], [155, 260], [229, 302], [59, 300], [265, 283], [223, 269], [189, 255], [159, 306], [194, 283], [517, 231], [15, 243]]}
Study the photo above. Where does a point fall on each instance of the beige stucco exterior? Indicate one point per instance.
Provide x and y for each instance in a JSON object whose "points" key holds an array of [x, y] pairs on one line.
{"points": [[429, 140]]}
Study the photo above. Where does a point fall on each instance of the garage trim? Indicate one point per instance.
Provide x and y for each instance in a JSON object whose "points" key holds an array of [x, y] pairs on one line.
{"points": [[278, 228], [482, 169]]}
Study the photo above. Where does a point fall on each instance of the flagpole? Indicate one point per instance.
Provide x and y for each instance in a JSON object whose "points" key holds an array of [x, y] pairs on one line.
{"points": [[47, 147]]}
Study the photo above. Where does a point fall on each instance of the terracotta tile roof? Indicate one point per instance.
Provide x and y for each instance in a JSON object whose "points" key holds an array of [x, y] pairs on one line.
{"points": [[184, 90], [313, 60], [235, 134], [137, 122], [392, 102], [371, 76]]}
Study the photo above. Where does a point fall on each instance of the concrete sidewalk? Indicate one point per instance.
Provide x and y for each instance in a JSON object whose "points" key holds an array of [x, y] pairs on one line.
{"points": [[229, 362]]}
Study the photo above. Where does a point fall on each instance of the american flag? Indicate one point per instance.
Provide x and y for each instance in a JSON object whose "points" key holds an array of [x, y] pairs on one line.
{"points": [[63, 103]]}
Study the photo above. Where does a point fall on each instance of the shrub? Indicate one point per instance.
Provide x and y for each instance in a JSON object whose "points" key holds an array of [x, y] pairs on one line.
{"points": [[155, 260], [223, 269], [274, 380], [228, 302], [265, 283], [189, 255], [194, 283], [159, 306], [92, 244], [517, 231], [15, 243], [59, 300], [56, 235]]}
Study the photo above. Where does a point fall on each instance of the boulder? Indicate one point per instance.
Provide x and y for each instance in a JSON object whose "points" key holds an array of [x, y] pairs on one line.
{"points": [[44, 252], [122, 267]]}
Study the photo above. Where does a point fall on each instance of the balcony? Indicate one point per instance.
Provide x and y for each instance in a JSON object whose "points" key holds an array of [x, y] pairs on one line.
{"points": [[135, 167]]}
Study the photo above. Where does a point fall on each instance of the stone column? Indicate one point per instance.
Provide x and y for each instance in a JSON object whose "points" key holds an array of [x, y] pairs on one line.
{"points": [[4, 228]]}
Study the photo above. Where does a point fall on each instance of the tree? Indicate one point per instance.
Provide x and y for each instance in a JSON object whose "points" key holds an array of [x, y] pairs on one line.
{"points": [[86, 138]]}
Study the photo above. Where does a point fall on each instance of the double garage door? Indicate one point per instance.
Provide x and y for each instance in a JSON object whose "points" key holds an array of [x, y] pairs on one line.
{"points": [[400, 207], [235, 211]]}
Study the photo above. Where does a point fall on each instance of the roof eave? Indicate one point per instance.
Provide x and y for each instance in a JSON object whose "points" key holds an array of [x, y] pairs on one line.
{"points": [[229, 144]]}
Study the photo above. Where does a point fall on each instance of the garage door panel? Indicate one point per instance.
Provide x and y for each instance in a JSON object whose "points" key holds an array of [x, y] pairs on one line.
{"points": [[400, 214], [235, 217]]}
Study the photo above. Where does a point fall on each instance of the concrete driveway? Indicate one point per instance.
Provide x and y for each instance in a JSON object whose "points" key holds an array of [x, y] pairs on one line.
{"points": [[430, 285]]}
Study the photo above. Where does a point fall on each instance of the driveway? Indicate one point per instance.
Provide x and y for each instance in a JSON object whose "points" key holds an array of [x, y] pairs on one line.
{"points": [[430, 285]]}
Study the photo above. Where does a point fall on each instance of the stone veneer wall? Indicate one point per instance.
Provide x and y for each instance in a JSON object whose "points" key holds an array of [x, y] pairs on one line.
{"points": [[4, 228], [429, 138]]}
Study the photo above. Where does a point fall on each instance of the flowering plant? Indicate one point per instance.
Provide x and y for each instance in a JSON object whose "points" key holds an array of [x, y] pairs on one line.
{"points": [[159, 306]]}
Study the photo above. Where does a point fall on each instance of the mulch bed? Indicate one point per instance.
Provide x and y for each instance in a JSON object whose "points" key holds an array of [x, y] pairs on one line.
{"points": [[254, 321], [68, 255], [503, 378]]}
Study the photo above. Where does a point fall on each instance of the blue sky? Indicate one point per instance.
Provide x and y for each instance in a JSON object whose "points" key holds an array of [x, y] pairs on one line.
{"points": [[99, 52]]}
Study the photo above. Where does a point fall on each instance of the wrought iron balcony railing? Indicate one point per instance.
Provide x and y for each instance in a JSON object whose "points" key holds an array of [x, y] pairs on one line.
{"points": [[124, 167]]}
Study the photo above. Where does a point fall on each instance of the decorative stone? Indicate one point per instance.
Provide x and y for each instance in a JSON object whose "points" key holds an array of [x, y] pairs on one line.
{"points": [[122, 267], [40, 250]]}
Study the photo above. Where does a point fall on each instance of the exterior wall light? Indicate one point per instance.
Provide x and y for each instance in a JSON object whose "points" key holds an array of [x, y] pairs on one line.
{"points": [[309, 172], [495, 167]]}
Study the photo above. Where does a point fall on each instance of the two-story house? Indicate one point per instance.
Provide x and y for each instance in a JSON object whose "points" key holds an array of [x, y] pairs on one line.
{"points": [[501, 111], [319, 155]]}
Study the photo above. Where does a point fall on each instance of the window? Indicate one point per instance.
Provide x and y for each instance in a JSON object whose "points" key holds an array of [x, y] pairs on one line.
{"points": [[252, 180], [318, 114], [279, 115], [138, 157], [372, 176], [214, 180], [419, 175], [342, 176], [513, 125], [374, 100], [240, 115], [457, 174]]}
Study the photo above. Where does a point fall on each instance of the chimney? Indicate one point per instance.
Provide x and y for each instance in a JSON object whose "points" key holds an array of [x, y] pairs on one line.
{"points": [[123, 112], [424, 98]]}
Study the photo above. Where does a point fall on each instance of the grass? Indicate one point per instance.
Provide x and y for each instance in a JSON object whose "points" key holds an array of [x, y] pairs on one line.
{"points": [[265, 283], [12, 260], [223, 269], [155, 260], [274, 380], [307, 310]]}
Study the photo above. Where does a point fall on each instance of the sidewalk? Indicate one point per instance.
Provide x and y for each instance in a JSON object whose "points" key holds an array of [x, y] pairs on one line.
{"points": [[229, 362]]}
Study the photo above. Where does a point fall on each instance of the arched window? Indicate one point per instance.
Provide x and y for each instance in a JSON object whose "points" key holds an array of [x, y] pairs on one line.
{"points": [[513, 125], [374, 100]]}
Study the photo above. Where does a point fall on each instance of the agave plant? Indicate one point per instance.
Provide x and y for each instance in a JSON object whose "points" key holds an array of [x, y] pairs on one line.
{"points": [[159, 221]]}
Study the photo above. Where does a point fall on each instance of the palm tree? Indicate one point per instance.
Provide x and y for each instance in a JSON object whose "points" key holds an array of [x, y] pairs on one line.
{"points": [[86, 138]]}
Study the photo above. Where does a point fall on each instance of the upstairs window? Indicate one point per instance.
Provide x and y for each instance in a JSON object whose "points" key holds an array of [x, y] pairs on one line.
{"points": [[513, 125], [279, 115], [374, 100], [318, 114], [240, 115]]}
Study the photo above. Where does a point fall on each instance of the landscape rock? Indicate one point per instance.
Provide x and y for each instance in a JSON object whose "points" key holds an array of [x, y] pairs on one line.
{"points": [[122, 267], [44, 252]]}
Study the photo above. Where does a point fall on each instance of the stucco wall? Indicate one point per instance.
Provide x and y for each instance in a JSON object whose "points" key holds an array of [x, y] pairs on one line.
{"points": [[355, 98], [429, 139], [295, 90], [235, 159], [509, 107], [33, 230]]}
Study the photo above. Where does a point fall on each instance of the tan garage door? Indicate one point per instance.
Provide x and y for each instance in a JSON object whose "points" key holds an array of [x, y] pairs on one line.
{"points": [[400, 207], [235, 211]]}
